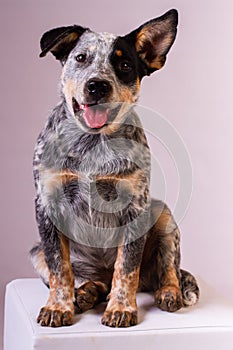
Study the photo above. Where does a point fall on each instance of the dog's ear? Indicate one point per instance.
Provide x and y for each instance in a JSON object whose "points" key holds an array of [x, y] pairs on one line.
{"points": [[154, 39], [60, 41]]}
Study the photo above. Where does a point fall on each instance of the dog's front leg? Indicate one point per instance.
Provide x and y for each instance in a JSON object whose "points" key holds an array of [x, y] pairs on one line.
{"points": [[59, 310], [121, 310]]}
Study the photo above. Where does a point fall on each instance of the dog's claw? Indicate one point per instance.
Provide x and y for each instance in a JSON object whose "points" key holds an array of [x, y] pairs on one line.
{"points": [[54, 318], [119, 318]]}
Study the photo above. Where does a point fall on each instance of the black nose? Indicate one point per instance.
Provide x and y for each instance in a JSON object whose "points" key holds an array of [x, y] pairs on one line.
{"points": [[98, 89]]}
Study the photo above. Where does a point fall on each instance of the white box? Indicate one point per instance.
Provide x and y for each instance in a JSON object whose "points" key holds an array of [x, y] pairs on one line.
{"points": [[208, 325]]}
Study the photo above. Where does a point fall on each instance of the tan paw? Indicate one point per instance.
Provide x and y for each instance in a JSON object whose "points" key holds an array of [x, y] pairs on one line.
{"points": [[119, 318], [86, 297], [53, 317], [168, 298]]}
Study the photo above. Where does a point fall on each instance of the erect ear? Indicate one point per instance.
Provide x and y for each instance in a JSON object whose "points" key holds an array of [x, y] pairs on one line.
{"points": [[154, 39], [60, 41]]}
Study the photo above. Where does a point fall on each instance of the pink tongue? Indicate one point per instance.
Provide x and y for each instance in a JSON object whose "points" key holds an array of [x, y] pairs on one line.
{"points": [[94, 117]]}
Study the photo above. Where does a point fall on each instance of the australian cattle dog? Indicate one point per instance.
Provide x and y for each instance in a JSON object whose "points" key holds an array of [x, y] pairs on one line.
{"points": [[102, 236]]}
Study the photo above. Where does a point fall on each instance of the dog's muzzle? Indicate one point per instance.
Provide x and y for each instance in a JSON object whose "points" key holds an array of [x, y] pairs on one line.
{"points": [[96, 112]]}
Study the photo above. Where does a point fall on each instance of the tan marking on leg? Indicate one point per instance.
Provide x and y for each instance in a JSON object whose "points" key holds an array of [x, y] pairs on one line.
{"points": [[59, 309], [169, 296], [165, 236], [170, 278], [121, 310]]}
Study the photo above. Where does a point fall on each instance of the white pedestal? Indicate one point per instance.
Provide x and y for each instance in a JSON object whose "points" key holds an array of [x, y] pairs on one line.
{"points": [[206, 326]]}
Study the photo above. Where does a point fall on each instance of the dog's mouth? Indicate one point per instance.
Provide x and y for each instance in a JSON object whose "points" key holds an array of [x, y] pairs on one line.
{"points": [[95, 116]]}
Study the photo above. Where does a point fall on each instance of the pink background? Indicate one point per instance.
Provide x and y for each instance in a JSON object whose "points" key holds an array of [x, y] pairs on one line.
{"points": [[192, 92]]}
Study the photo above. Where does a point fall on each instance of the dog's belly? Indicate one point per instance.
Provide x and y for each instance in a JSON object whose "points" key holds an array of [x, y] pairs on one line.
{"points": [[92, 264]]}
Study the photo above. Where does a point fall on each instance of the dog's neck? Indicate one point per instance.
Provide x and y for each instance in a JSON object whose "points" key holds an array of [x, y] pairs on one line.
{"points": [[95, 153]]}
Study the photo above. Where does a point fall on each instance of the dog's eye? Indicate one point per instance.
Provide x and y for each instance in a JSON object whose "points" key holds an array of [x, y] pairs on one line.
{"points": [[81, 58], [125, 66]]}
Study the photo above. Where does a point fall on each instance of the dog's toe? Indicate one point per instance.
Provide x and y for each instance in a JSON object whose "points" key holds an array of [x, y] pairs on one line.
{"points": [[55, 317], [44, 317], [119, 318]]}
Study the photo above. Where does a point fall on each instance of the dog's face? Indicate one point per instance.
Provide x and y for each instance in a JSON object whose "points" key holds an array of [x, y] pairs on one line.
{"points": [[102, 71]]}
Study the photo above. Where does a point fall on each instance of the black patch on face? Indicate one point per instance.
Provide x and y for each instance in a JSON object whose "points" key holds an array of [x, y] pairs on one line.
{"points": [[126, 62]]}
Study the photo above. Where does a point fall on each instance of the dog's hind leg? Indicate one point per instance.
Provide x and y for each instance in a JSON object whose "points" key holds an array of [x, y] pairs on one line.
{"points": [[160, 269], [38, 261], [90, 294]]}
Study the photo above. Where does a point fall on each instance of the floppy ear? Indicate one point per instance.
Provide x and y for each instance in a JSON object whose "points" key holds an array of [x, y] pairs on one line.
{"points": [[60, 41], [154, 39]]}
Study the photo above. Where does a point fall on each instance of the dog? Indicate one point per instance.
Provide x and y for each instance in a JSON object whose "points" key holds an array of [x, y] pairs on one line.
{"points": [[102, 236]]}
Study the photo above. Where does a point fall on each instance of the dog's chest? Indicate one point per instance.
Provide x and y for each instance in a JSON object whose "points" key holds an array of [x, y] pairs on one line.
{"points": [[87, 182]]}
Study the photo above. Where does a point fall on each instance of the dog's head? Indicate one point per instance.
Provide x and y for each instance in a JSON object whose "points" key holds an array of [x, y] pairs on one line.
{"points": [[101, 70]]}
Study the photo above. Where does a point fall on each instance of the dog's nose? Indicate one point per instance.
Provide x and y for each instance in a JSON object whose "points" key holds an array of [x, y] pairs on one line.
{"points": [[98, 88]]}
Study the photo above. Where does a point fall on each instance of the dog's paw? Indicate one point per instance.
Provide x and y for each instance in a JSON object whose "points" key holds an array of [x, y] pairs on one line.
{"points": [[169, 298], [86, 297], [119, 318], [53, 317]]}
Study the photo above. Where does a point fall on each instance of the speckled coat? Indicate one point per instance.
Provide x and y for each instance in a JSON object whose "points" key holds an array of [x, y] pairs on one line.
{"points": [[101, 233]]}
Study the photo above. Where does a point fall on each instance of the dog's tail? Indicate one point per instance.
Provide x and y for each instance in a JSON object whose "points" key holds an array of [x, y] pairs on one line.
{"points": [[190, 289]]}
